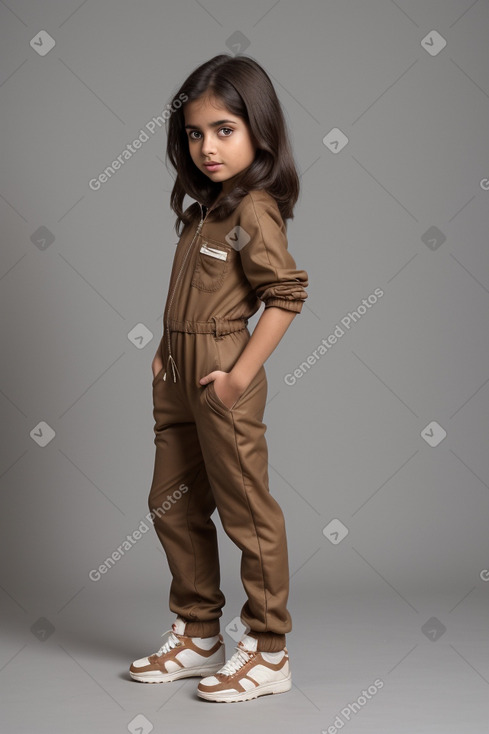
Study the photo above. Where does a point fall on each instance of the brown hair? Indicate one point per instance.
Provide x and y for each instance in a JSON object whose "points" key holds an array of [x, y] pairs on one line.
{"points": [[245, 89]]}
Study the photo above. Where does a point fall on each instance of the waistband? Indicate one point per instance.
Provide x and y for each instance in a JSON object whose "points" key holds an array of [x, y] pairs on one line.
{"points": [[216, 326]]}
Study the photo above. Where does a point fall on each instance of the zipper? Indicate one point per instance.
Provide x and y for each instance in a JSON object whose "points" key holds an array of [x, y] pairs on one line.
{"points": [[177, 280]]}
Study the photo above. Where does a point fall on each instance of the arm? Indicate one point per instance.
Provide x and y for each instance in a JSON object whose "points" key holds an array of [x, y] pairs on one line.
{"points": [[269, 330], [272, 273]]}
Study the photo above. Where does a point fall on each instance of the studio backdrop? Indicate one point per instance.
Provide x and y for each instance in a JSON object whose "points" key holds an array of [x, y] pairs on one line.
{"points": [[378, 394]]}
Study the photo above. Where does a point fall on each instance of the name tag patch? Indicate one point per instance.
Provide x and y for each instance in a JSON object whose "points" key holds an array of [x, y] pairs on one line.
{"points": [[213, 252]]}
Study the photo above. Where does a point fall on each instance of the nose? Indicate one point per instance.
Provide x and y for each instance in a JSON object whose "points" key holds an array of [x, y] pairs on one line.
{"points": [[208, 146]]}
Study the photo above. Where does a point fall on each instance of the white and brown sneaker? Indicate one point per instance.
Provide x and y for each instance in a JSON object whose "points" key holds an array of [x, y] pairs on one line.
{"points": [[248, 674], [180, 657]]}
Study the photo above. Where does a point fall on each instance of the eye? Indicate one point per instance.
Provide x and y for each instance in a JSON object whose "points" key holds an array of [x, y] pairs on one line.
{"points": [[226, 130]]}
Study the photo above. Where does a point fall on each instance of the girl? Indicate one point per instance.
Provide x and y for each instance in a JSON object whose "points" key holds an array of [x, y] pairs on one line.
{"points": [[229, 146]]}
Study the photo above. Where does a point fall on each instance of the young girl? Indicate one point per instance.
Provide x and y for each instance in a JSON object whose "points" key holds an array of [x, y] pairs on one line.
{"points": [[229, 146]]}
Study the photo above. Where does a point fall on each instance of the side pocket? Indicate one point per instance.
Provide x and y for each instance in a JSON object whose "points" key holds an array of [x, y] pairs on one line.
{"points": [[214, 402], [254, 396], [162, 370], [158, 376]]}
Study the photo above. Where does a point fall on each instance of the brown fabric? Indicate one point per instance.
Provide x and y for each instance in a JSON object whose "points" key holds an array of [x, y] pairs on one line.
{"points": [[263, 269], [215, 326], [268, 641], [221, 273], [202, 629], [221, 455]]}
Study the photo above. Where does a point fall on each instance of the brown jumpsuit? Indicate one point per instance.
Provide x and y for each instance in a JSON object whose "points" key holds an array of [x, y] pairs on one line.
{"points": [[209, 455]]}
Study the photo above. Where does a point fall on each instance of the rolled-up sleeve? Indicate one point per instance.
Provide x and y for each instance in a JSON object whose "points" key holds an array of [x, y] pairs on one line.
{"points": [[268, 265]]}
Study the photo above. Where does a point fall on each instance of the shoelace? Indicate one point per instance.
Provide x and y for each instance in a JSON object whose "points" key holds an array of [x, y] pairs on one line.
{"points": [[236, 662], [171, 642]]}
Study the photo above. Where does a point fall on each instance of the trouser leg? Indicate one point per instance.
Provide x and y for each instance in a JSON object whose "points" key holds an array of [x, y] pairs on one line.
{"points": [[182, 503], [236, 458]]}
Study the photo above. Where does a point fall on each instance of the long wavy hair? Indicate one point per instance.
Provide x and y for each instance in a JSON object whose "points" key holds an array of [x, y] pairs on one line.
{"points": [[244, 88]]}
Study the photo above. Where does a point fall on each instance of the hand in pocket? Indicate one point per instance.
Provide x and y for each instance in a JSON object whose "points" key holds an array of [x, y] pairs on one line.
{"points": [[225, 387]]}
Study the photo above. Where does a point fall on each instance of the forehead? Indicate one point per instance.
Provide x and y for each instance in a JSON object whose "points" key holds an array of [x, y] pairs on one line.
{"points": [[205, 108]]}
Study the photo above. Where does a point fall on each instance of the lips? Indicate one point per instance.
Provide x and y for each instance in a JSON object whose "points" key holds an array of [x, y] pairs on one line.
{"points": [[212, 166]]}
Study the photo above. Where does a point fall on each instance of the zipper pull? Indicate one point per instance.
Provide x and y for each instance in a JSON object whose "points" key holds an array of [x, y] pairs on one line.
{"points": [[202, 219]]}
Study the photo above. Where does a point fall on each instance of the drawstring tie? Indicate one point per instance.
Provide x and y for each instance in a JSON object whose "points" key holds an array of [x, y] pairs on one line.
{"points": [[173, 366], [217, 326]]}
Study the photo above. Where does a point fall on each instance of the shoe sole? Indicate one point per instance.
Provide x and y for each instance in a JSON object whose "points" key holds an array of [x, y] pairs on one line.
{"points": [[169, 677], [280, 686]]}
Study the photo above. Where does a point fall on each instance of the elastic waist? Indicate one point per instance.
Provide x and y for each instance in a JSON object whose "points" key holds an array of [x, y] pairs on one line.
{"points": [[215, 326]]}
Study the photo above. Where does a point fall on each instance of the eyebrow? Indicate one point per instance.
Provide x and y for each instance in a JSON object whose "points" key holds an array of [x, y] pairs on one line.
{"points": [[211, 124]]}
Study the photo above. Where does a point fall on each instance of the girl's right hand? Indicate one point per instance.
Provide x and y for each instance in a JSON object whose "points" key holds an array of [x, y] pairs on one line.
{"points": [[157, 365]]}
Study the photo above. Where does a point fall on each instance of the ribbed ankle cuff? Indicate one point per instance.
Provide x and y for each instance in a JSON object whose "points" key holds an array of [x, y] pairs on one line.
{"points": [[268, 641], [202, 629]]}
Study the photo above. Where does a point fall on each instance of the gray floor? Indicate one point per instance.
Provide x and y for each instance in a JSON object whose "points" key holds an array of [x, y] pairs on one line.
{"points": [[76, 679]]}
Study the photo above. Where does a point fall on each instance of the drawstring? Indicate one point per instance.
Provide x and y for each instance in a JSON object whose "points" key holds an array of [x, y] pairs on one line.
{"points": [[217, 326], [173, 366]]}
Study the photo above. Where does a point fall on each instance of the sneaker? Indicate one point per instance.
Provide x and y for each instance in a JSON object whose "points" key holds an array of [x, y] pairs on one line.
{"points": [[180, 657], [248, 674]]}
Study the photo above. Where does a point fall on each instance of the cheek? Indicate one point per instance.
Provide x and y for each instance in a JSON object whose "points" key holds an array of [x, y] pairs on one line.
{"points": [[193, 152], [245, 149], [250, 156], [248, 151]]}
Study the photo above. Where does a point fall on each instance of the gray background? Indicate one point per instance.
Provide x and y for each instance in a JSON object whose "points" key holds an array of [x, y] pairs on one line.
{"points": [[347, 442]]}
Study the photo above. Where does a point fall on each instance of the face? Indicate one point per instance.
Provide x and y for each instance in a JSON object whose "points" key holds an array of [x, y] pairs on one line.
{"points": [[214, 134]]}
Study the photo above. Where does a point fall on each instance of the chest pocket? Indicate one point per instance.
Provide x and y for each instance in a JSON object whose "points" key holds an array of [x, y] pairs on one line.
{"points": [[214, 260]]}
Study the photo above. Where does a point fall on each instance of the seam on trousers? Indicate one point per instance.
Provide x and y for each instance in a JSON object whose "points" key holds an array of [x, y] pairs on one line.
{"points": [[253, 518], [190, 534]]}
